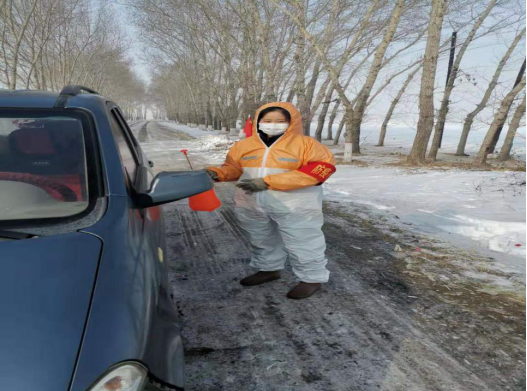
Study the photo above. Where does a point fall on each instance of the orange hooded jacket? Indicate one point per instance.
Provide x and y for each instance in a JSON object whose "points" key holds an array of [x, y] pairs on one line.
{"points": [[300, 160]]}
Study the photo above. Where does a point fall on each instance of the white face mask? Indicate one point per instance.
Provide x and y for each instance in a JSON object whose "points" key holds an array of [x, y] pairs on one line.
{"points": [[273, 129]]}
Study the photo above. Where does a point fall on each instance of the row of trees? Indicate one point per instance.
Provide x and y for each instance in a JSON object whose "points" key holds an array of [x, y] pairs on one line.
{"points": [[48, 44], [218, 60]]}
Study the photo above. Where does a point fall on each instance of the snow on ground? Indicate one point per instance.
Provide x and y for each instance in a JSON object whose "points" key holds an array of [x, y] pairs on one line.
{"points": [[194, 132], [475, 210], [482, 211], [214, 143], [163, 141]]}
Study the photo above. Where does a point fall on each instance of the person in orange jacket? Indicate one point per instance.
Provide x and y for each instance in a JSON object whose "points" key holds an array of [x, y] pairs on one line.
{"points": [[279, 200]]}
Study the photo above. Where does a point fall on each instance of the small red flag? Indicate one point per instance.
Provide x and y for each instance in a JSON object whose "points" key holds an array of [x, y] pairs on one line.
{"points": [[248, 129]]}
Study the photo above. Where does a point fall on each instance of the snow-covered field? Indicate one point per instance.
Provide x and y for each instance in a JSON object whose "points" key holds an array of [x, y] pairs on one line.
{"points": [[475, 210], [479, 211]]}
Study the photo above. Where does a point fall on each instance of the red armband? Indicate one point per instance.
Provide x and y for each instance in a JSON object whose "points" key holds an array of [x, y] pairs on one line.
{"points": [[318, 170]]}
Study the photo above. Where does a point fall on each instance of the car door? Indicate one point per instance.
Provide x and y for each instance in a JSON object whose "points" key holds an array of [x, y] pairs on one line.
{"points": [[147, 224], [132, 172], [164, 353]]}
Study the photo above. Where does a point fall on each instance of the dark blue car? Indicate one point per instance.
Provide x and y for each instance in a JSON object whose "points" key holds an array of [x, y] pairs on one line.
{"points": [[85, 298]]}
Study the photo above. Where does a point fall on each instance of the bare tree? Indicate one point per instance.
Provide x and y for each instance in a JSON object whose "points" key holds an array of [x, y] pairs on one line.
{"points": [[322, 115], [355, 120], [443, 110], [498, 122], [505, 152], [469, 120], [242, 48], [498, 132], [49, 44], [426, 97], [361, 35], [394, 103], [332, 117], [17, 16]]}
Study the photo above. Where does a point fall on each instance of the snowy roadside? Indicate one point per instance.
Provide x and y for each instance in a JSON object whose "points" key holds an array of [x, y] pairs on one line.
{"points": [[479, 212], [163, 142], [192, 131]]}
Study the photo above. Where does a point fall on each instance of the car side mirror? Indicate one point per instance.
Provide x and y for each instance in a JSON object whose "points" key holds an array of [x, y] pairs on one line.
{"points": [[169, 186]]}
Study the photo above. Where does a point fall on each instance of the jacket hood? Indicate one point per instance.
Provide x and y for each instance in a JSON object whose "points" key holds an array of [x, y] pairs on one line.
{"points": [[296, 119]]}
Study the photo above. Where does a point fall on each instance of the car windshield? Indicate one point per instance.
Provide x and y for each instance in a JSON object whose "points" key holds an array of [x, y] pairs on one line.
{"points": [[43, 171]]}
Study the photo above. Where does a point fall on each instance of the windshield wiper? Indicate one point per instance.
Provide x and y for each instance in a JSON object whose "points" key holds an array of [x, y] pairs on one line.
{"points": [[15, 234]]}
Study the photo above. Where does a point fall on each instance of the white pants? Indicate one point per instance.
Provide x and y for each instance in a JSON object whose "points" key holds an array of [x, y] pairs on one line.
{"points": [[278, 231]]}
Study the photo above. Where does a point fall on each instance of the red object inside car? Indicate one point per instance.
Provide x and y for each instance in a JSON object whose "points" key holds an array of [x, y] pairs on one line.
{"points": [[32, 142], [48, 155]]}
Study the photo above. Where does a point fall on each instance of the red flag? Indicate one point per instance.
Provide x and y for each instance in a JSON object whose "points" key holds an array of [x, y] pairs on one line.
{"points": [[248, 129]]}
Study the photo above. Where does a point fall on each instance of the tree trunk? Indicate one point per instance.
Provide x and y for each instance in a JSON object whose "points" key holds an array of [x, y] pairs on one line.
{"points": [[208, 117], [498, 132], [332, 119], [443, 111], [308, 99], [394, 103], [322, 115], [426, 95], [348, 145], [17, 47], [362, 98], [300, 66], [470, 117], [339, 131], [499, 120], [505, 153]]}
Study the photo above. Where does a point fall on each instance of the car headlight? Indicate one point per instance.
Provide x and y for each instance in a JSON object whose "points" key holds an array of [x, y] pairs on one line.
{"points": [[127, 376]]}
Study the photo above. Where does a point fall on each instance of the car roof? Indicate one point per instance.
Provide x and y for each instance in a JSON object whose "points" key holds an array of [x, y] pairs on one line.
{"points": [[42, 99]]}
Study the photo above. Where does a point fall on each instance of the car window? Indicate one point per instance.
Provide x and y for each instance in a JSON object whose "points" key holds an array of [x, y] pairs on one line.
{"points": [[129, 133], [128, 156], [43, 168]]}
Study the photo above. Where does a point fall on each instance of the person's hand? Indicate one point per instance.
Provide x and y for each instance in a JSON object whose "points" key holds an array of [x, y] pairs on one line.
{"points": [[252, 185], [212, 174]]}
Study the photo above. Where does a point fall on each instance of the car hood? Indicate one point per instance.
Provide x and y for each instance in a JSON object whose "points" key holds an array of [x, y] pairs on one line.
{"points": [[46, 285]]}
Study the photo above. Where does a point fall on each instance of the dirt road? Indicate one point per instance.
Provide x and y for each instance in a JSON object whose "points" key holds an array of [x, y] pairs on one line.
{"points": [[381, 323]]}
